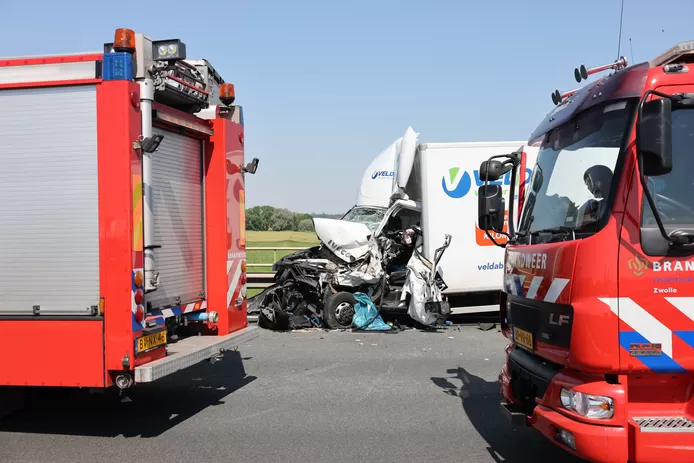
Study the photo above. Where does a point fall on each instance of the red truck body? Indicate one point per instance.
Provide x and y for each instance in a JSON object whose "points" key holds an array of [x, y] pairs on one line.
{"points": [[73, 138], [601, 313]]}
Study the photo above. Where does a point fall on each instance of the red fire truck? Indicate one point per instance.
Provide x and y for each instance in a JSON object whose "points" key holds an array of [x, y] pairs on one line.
{"points": [[598, 296], [122, 234]]}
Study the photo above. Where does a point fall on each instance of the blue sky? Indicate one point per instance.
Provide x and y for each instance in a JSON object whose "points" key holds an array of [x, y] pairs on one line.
{"points": [[327, 85]]}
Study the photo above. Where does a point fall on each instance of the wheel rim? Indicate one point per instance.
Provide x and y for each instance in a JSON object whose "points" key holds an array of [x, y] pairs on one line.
{"points": [[344, 313]]}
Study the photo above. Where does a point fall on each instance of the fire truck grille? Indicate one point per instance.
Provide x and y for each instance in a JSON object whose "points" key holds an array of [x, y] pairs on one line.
{"points": [[665, 424]]}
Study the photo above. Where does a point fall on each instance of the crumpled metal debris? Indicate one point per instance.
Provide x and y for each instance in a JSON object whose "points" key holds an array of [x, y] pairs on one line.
{"points": [[426, 303]]}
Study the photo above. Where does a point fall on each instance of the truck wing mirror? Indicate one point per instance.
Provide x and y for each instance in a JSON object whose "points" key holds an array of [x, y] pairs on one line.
{"points": [[654, 137], [251, 167], [491, 170], [490, 208]]}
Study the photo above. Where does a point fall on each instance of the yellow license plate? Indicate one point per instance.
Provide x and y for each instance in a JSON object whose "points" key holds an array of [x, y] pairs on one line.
{"points": [[149, 342], [523, 338]]}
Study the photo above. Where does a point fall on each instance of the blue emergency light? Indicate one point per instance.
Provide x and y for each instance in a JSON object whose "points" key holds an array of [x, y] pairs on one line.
{"points": [[117, 66]]}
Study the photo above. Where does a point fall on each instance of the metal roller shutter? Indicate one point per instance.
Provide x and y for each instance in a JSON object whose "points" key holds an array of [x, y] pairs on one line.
{"points": [[49, 223], [178, 220]]}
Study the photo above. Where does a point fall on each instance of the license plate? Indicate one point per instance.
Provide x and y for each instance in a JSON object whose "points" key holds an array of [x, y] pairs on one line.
{"points": [[523, 338], [150, 341]]}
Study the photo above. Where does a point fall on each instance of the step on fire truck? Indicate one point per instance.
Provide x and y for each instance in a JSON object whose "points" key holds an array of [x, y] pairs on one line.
{"points": [[598, 294], [122, 234]]}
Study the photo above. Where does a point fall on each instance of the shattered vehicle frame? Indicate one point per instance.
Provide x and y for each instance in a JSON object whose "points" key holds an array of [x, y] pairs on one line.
{"points": [[315, 286]]}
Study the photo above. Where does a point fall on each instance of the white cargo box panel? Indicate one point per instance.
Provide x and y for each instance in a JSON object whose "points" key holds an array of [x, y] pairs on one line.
{"points": [[450, 179], [178, 220], [49, 227]]}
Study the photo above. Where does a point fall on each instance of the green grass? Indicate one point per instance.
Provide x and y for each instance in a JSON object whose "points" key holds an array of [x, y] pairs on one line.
{"points": [[289, 239]]}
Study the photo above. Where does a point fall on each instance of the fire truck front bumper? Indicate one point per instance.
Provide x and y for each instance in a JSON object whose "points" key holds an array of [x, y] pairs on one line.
{"points": [[627, 436], [587, 441]]}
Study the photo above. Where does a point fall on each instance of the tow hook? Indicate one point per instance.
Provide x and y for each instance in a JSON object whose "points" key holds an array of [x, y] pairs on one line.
{"points": [[124, 381]]}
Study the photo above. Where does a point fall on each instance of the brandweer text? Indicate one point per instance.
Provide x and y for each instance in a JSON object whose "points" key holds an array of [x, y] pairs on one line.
{"points": [[673, 266], [533, 260]]}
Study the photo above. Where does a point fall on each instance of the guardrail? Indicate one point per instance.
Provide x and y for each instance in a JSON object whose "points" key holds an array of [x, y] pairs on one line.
{"points": [[260, 280]]}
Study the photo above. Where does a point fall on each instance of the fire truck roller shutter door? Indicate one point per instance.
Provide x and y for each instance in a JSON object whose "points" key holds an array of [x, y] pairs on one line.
{"points": [[178, 221], [49, 202]]}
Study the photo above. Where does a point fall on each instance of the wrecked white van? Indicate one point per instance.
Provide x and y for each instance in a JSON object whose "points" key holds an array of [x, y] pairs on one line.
{"points": [[411, 242]]}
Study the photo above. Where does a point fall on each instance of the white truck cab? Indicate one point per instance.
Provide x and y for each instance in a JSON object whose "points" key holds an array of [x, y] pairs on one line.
{"points": [[434, 185]]}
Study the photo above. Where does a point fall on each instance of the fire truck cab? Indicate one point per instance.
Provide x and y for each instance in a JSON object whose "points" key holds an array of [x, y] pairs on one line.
{"points": [[122, 234], [598, 298]]}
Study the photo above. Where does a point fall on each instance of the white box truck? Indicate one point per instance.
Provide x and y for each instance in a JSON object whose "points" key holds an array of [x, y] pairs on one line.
{"points": [[411, 196]]}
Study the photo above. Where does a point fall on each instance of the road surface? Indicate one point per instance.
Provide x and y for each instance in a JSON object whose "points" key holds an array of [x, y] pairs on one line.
{"points": [[296, 397]]}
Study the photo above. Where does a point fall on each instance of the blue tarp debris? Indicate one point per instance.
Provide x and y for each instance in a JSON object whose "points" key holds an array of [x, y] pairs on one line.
{"points": [[366, 316]]}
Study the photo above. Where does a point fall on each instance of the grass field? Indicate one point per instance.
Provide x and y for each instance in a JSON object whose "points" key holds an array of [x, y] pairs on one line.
{"points": [[289, 239]]}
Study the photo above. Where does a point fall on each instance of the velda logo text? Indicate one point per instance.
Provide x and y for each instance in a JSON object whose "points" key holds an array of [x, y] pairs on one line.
{"points": [[382, 174], [457, 182]]}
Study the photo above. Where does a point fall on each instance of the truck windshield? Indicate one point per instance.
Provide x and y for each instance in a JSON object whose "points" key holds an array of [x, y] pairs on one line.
{"points": [[369, 216], [571, 181]]}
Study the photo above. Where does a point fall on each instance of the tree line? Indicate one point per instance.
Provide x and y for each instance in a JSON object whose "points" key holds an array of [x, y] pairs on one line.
{"points": [[268, 218]]}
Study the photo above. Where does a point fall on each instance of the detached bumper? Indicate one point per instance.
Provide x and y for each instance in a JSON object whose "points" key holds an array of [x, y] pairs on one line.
{"points": [[191, 351]]}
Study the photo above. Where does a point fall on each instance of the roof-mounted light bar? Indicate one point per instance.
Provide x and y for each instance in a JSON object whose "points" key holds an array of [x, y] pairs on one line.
{"points": [[673, 54], [583, 73]]}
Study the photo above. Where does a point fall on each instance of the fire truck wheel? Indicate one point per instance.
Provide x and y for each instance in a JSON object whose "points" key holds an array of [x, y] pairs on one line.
{"points": [[339, 310]]}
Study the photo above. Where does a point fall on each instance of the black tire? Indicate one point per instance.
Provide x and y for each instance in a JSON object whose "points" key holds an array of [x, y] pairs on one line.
{"points": [[339, 310]]}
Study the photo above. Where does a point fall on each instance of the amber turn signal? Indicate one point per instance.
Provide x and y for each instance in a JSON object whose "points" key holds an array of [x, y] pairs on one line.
{"points": [[139, 279]]}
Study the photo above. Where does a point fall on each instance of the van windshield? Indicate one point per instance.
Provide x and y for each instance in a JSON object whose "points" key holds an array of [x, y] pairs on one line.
{"points": [[369, 216], [573, 176]]}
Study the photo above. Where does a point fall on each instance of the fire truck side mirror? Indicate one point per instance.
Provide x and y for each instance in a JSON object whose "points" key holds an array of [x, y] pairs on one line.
{"points": [[252, 166], [490, 208], [654, 137], [491, 170], [151, 144]]}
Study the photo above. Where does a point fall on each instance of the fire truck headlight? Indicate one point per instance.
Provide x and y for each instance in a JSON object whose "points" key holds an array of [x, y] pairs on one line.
{"points": [[168, 50], [588, 405]]}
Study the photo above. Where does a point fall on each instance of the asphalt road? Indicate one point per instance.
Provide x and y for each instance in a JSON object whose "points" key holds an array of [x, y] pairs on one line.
{"points": [[303, 396]]}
